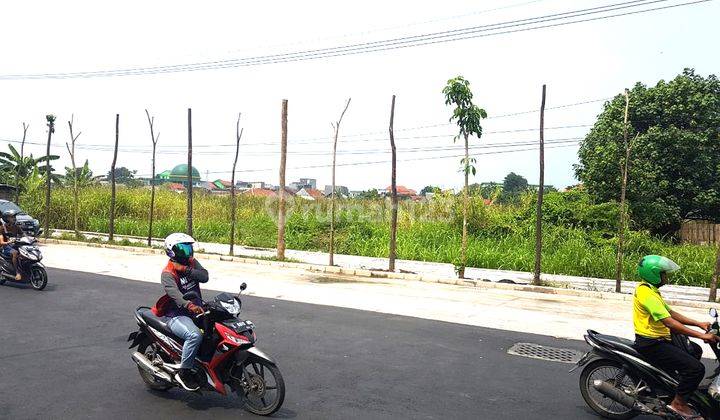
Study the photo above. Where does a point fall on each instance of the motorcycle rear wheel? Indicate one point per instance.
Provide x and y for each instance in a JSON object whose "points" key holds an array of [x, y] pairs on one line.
{"points": [[606, 370], [38, 277], [263, 379], [150, 381]]}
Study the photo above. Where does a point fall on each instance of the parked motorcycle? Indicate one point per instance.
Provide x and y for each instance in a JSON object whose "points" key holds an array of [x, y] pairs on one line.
{"points": [[28, 262], [618, 383], [227, 355]]}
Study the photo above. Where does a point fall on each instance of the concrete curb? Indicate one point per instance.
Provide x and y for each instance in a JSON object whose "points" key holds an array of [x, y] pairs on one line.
{"points": [[394, 276]]}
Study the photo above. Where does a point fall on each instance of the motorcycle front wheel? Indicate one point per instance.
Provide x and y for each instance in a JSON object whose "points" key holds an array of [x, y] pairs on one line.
{"points": [[261, 385], [612, 372], [38, 277]]}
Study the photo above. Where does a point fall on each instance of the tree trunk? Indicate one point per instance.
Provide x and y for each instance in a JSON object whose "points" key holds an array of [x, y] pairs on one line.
{"points": [[233, 198], [152, 178], [189, 226], [111, 236], [716, 275], [621, 227], [22, 159], [336, 126], [393, 187], [541, 192], [281, 190], [463, 247], [51, 130]]}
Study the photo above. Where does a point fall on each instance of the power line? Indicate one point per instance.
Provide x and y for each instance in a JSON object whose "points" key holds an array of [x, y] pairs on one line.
{"points": [[387, 161], [506, 27]]}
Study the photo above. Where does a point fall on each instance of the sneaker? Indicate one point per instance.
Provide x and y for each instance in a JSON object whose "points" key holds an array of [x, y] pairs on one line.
{"points": [[186, 379]]}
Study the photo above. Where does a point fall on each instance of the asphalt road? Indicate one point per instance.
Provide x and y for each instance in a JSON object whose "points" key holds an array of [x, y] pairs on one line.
{"points": [[63, 355]]}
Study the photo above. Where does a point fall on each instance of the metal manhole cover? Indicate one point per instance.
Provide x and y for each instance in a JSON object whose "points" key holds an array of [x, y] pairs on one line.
{"points": [[553, 354]]}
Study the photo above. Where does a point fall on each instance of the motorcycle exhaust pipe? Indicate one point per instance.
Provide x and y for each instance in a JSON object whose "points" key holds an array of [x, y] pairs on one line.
{"points": [[147, 366], [618, 396]]}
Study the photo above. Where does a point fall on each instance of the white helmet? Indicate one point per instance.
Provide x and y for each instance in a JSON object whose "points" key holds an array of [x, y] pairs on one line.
{"points": [[179, 247]]}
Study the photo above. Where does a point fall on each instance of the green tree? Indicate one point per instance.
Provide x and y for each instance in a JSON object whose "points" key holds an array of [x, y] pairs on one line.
{"points": [[429, 189], [18, 168], [123, 175], [673, 168], [468, 117], [513, 186], [369, 194], [83, 174]]}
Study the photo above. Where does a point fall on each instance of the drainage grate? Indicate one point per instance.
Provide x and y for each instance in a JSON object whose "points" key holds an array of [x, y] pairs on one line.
{"points": [[553, 354]]}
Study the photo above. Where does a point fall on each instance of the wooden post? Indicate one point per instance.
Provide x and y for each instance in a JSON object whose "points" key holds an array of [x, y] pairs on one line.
{"points": [[51, 129], [281, 189], [22, 164], [541, 191], [233, 198], [154, 139], [189, 227], [336, 127], [393, 187], [621, 227], [71, 151], [112, 179], [716, 275]]}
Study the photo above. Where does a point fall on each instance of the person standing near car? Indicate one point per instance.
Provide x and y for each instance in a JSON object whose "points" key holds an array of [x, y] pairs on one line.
{"points": [[10, 231], [182, 274]]}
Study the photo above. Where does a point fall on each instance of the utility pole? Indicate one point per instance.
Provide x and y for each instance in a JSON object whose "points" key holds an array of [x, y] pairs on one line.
{"points": [[51, 129], [541, 191]]}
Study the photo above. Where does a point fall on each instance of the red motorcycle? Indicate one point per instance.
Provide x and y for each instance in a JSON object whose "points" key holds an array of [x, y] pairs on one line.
{"points": [[227, 355]]}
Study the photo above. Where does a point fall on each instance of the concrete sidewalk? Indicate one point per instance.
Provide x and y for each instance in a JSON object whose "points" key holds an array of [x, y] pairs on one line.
{"points": [[554, 315], [432, 269]]}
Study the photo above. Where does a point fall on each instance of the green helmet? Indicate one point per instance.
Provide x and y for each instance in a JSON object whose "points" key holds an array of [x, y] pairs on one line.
{"points": [[651, 266]]}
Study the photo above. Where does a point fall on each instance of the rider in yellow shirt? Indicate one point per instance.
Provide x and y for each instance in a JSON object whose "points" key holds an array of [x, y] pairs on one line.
{"points": [[655, 322]]}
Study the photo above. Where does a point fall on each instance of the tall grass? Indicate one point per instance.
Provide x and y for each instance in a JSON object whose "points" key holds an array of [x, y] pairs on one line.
{"points": [[578, 235]]}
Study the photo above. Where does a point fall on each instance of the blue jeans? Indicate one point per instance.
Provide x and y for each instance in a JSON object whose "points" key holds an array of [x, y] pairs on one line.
{"points": [[184, 328]]}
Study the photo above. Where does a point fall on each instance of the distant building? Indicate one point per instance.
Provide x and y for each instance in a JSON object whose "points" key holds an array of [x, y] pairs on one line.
{"points": [[304, 183], [178, 188], [340, 190], [179, 175], [310, 194], [403, 193]]}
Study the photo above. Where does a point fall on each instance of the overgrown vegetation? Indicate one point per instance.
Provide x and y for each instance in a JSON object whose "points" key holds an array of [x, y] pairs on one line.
{"points": [[579, 235]]}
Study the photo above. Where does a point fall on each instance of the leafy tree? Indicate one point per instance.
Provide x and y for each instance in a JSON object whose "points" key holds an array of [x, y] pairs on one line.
{"points": [[429, 189], [83, 174], [123, 175], [369, 194], [17, 168], [514, 183], [468, 116], [673, 169]]}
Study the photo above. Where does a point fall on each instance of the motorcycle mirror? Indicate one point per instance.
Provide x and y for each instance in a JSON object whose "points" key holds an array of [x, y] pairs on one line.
{"points": [[713, 312], [243, 286]]}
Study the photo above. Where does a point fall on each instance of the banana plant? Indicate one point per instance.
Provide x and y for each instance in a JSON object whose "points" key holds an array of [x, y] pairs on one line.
{"points": [[18, 168]]}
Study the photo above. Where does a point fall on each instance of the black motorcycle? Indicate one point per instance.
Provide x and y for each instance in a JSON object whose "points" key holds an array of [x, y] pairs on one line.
{"points": [[28, 262], [618, 383]]}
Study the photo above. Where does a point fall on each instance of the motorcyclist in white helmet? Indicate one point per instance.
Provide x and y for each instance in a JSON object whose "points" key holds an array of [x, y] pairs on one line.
{"points": [[182, 274]]}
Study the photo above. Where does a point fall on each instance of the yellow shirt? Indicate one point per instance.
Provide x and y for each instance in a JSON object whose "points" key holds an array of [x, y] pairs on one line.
{"points": [[649, 309]]}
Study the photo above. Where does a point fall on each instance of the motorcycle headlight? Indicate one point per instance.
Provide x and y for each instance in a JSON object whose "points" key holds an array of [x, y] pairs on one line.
{"points": [[233, 307]]}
